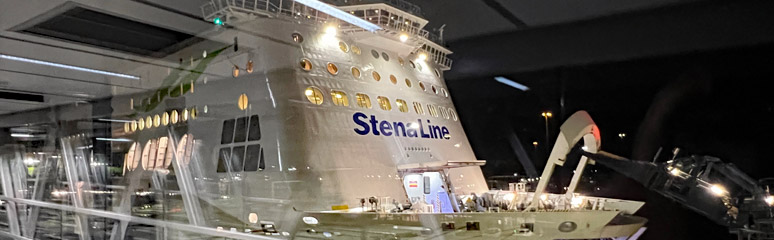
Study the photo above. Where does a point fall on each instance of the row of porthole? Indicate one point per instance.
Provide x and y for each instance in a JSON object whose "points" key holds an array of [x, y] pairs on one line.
{"points": [[339, 98], [306, 65], [166, 118], [344, 47], [157, 153]]}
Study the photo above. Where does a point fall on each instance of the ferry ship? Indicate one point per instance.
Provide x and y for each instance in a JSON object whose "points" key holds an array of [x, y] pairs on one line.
{"points": [[283, 119]]}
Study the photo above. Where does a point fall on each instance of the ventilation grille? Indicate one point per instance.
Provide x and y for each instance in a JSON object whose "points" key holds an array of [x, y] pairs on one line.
{"points": [[89, 27]]}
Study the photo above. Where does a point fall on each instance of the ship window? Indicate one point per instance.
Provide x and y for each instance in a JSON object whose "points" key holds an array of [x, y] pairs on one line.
{"points": [[237, 155], [363, 100], [132, 156], [434, 90], [227, 136], [306, 64], [401, 105], [444, 113], [148, 122], [411, 63], [339, 98], [254, 158], [255, 129], [418, 108], [297, 37], [375, 54], [422, 86], [224, 156], [376, 76], [432, 110], [453, 114], [165, 118], [314, 95], [408, 82], [241, 130], [426, 184], [419, 66], [384, 103], [385, 56], [393, 79], [356, 49], [401, 61], [355, 72], [437, 73], [343, 46], [173, 117], [332, 69], [445, 93]]}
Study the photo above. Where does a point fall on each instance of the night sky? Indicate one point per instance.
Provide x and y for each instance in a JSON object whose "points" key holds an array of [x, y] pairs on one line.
{"points": [[716, 103]]}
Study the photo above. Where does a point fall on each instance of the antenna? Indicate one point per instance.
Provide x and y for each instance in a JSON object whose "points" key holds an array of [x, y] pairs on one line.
{"points": [[440, 32]]}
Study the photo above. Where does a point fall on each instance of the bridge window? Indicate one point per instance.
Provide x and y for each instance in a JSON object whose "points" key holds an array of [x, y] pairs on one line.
{"points": [[376, 76], [227, 136], [333, 69], [418, 108], [384, 103], [355, 72], [432, 110], [363, 100], [343, 46], [314, 95], [306, 64], [422, 86], [401, 105], [224, 158], [254, 130], [240, 132], [339, 98], [393, 79], [254, 160]]}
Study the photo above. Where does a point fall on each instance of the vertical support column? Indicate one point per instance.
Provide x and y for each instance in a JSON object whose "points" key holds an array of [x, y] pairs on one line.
{"points": [[10, 207], [589, 145], [71, 173], [184, 179]]}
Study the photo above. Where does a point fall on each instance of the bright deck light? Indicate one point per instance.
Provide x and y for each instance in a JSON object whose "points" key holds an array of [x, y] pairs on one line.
{"points": [[59, 65], [331, 30], [403, 37], [21, 135], [422, 57], [769, 200], [717, 189], [337, 13]]}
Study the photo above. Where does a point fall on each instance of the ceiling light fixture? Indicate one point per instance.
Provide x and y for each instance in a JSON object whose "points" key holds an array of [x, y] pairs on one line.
{"points": [[511, 83], [59, 65], [337, 13]]}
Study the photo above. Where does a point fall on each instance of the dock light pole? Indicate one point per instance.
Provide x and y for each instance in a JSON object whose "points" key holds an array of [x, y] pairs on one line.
{"points": [[546, 115]]}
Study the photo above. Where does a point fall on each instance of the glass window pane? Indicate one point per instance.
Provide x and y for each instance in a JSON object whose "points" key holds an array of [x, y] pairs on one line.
{"points": [[252, 158], [255, 129], [228, 132], [236, 158], [223, 157], [241, 130]]}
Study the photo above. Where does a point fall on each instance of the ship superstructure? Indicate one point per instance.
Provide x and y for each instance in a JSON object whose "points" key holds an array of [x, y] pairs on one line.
{"points": [[286, 119]]}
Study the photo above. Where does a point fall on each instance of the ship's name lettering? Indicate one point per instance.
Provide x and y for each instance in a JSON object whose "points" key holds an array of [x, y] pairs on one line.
{"points": [[372, 125]]}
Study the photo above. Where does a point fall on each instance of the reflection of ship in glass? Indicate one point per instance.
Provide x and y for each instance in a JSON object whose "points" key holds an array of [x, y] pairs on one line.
{"points": [[283, 120]]}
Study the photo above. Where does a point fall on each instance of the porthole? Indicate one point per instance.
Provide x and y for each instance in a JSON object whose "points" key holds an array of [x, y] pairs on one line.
{"points": [[314, 95], [242, 101], [363, 100], [411, 64], [375, 54], [434, 89], [174, 117], [343, 46], [127, 127], [418, 108], [385, 56], [297, 37], [401, 105], [453, 114], [339, 98], [134, 125], [356, 49], [419, 66], [306, 64], [437, 73], [384, 103], [401, 61], [393, 79], [184, 116], [422, 86], [408, 82], [355, 72], [148, 122], [333, 69], [444, 92], [194, 113], [156, 121], [376, 76], [165, 119]]}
